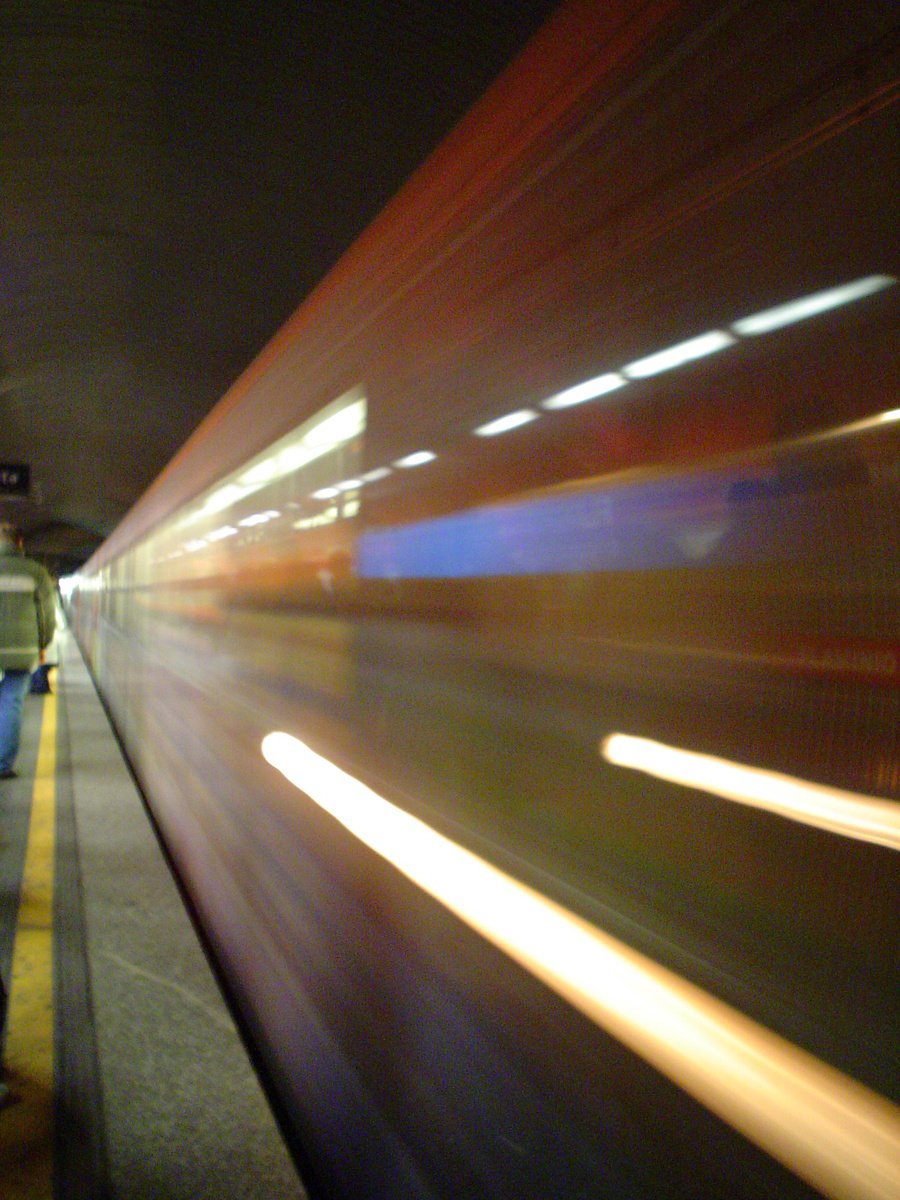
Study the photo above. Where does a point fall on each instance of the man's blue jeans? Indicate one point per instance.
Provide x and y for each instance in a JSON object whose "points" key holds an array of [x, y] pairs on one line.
{"points": [[13, 687]]}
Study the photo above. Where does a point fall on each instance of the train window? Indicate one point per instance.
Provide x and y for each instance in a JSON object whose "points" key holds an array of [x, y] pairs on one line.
{"points": [[307, 481]]}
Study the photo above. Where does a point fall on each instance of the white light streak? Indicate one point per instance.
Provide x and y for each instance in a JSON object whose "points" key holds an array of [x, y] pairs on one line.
{"points": [[260, 474], [225, 496], [850, 814], [375, 474], [326, 493], [260, 518], [417, 459], [349, 485], [294, 458], [512, 420], [589, 390], [811, 306], [339, 427], [219, 535], [677, 356], [828, 1129]]}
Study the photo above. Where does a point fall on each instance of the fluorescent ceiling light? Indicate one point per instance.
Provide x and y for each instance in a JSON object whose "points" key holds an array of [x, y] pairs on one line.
{"points": [[348, 485], [503, 424], [418, 459], [676, 356], [377, 473], [829, 1129], [590, 390], [811, 306], [865, 818], [326, 493]]}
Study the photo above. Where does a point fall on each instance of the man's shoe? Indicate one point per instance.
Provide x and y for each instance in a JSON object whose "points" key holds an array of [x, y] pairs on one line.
{"points": [[9, 773]]}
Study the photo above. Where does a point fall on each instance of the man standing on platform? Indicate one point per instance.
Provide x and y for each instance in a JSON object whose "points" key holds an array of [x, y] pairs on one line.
{"points": [[27, 622]]}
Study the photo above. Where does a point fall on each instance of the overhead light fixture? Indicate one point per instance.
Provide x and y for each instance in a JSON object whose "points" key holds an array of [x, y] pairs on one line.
{"points": [[811, 306], [677, 356], [512, 420], [326, 493], [417, 459], [589, 390]]}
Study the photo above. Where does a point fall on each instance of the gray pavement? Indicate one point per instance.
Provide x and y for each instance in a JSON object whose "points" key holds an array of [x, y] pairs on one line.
{"points": [[184, 1116]]}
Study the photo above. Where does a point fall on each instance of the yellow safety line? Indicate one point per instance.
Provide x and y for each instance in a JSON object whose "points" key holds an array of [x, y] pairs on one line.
{"points": [[26, 1125]]}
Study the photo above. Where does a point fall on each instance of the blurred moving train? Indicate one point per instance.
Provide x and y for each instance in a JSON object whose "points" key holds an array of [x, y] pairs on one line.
{"points": [[510, 662]]}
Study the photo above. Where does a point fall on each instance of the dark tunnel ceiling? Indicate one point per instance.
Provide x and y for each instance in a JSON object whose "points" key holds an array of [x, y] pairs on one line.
{"points": [[174, 179]]}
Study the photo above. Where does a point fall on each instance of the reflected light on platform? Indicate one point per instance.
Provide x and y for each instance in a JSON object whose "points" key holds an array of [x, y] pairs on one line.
{"points": [[677, 356], [827, 1128], [513, 420], [864, 818], [811, 306]]}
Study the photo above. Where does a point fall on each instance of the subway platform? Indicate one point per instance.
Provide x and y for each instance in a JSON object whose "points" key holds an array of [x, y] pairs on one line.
{"points": [[127, 1077]]}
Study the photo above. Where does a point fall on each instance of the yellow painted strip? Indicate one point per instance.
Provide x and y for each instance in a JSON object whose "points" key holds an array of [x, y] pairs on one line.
{"points": [[26, 1126]]}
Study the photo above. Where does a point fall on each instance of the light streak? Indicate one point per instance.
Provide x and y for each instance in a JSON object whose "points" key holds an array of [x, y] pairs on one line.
{"points": [[375, 474], [830, 1130], [416, 459], [512, 420], [677, 356], [811, 306], [850, 814], [591, 389]]}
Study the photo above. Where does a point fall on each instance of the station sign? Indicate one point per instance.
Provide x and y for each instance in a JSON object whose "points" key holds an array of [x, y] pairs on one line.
{"points": [[15, 479]]}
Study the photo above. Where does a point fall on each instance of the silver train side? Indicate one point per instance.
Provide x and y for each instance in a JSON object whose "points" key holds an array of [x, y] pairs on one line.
{"points": [[587, 450]]}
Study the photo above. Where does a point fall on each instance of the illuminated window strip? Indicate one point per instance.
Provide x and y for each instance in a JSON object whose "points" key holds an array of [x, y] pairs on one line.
{"points": [[513, 420], [811, 306], [864, 818], [828, 1129], [714, 341]]}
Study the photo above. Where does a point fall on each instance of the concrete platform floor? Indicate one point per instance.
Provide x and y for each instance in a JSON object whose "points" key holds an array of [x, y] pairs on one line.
{"points": [[154, 1095]]}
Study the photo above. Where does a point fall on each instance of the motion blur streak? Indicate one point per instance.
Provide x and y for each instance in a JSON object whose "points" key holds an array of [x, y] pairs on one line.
{"points": [[828, 1129], [811, 306], [865, 818]]}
